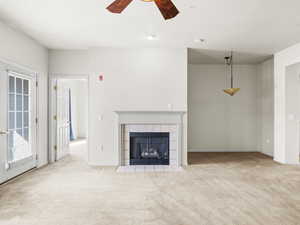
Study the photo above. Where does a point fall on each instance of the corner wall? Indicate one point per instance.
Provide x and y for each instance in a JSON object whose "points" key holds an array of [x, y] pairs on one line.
{"points": [[19, 50], [285, 151], [219, 122], [292, 105], [266, 104]]}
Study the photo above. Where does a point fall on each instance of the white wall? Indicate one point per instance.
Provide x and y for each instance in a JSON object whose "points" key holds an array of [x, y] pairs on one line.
{"points": [[134, 79], [285, 151], [19, 50], [266, 104], [292, 93], [219, 122]]}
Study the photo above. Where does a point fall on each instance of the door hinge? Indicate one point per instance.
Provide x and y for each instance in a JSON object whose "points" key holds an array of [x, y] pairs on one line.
{"points": [[55, 117], [36, 157], [55, 87], [36, 84], [55, 148], [36, 120]]}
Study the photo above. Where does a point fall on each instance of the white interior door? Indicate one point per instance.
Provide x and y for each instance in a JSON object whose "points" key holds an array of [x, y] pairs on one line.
{"points": [[62, 118], [17, 122]]}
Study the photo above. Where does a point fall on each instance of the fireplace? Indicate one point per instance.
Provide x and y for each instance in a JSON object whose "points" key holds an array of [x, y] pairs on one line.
{"points": [[149, 148]]}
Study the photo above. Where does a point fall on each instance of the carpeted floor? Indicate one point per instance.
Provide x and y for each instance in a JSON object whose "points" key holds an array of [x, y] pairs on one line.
{"points": [[229, 188]]}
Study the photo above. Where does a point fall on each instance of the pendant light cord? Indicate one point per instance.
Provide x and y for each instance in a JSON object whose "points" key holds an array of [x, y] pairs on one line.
{"points": [[228, 62], [231, 70]]}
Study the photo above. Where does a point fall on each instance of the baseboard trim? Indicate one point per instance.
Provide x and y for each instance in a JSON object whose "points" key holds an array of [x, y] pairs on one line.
{"points": [[268, 154], [220, 150]]}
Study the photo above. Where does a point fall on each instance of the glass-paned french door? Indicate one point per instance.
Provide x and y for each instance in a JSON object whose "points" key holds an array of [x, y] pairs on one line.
{"points": [[17, 122], [19, 138]]}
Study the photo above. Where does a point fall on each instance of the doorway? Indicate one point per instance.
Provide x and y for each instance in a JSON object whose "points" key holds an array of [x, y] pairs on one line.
{"points": [[18, 121], [69, 117]]}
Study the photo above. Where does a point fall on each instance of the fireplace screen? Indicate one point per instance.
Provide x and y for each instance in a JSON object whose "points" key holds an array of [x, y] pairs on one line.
{"points": [[149, 148]]}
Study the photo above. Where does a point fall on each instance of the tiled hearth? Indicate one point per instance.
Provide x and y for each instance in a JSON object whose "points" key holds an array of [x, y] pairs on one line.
{"points": [[149, 168], [150, 122]]}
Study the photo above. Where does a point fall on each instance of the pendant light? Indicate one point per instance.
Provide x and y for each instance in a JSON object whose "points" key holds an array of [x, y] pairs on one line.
{"points": [[231, 91]]}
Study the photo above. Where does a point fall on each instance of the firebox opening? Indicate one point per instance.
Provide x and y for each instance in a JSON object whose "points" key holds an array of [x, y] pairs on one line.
{"points": [[149, 148]]}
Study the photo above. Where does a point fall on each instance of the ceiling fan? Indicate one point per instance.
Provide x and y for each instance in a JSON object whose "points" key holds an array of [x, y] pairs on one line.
{"points": [[166, 7]]}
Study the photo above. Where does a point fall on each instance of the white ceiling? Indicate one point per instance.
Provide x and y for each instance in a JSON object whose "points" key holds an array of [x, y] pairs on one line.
{"points": [[204, 56], [257, 26]]}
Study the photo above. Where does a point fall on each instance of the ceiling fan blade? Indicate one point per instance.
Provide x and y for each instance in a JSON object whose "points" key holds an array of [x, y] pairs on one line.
{"points": [[118, 6], [167, 8]]}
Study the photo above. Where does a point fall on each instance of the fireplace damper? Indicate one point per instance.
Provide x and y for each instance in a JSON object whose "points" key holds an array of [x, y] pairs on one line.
{"points": [[149, 148]]}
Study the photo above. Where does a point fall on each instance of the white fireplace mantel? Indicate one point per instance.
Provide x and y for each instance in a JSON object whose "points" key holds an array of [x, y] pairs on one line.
{"points": [[150, 118]]}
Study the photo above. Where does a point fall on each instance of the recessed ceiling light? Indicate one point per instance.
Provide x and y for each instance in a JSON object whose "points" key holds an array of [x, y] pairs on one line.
{"points": [[152, 37]]}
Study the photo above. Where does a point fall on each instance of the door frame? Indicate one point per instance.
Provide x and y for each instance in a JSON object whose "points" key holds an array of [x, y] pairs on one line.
{"points": [[9, 66], [52, 110]]}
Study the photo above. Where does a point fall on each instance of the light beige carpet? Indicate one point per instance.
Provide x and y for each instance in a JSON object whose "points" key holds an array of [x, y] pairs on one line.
{"points": [[236, 188]]}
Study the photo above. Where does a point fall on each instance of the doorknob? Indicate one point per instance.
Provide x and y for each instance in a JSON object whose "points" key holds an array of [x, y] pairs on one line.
{"points": [[3, 132]]}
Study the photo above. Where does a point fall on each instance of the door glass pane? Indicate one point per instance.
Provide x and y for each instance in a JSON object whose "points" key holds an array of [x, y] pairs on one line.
{"points": [[26, 103], [26, 119], [26, 134], [20, 147], [19, 85], [19, 119], [19, 103], [10, 146], [11, 139], [19, 132], [25, 87], [11, 102], [11, 84], [11, 124]]}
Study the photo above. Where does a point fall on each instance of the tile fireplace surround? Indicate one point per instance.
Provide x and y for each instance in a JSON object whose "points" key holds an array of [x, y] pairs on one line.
{"points": [[150, 121]]}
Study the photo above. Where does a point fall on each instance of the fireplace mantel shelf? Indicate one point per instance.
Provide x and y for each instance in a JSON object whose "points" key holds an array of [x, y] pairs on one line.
{"points": [[155, 117]]}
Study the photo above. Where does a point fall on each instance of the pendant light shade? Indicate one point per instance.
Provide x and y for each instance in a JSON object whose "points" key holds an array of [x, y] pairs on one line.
{"points": [[231, 91]]}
